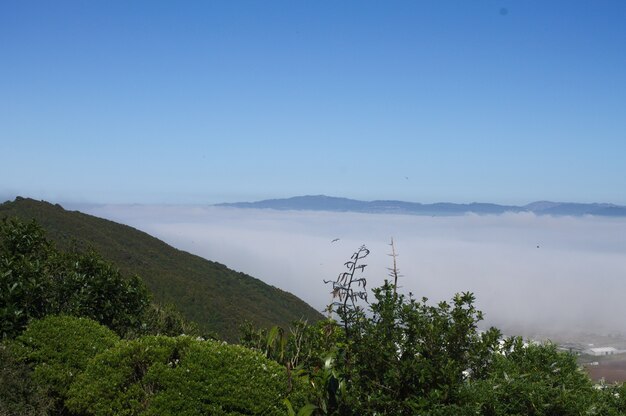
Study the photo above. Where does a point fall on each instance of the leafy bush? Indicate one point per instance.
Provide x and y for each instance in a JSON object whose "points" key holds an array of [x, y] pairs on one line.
{"points": [[86, 285], [533, 380], [303, 346], [611, 401], [221, 379], [119, 381], [157, 375], [59, 347], [38, 280], [164, 320], [409, 357], [19, 393], [406, 357], [25, 275]]}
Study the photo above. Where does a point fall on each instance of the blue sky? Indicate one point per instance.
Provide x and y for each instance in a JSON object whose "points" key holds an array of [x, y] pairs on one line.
{"points": [[209, 101]]}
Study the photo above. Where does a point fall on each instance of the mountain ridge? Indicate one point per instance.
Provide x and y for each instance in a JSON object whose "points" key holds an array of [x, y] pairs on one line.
{"points": [[340, 204], [217, 298]]}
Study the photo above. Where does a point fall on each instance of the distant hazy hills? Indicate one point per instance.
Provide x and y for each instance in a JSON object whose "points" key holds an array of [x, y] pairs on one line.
{"points": [[329, 203], [217, 298]]}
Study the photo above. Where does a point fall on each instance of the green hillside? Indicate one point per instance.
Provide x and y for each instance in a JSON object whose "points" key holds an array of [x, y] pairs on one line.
{"points": [[217, 298]]}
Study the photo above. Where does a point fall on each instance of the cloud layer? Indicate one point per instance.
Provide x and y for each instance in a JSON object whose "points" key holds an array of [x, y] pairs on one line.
{"points": [[530, 274]]}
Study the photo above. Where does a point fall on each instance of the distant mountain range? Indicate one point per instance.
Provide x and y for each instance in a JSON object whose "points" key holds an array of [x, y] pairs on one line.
{"points": [[217, 298], [329, 203]]}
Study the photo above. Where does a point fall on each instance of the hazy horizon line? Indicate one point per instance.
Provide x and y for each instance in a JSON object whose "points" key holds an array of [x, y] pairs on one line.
{"points": [[8, 197]]}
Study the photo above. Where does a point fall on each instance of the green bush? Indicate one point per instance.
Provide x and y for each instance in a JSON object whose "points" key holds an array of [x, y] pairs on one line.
{"points": [[87, 285], [37, 280], [222, 379], [118, 381], [533, 380], [59, 347], [26, 263], [19, 393], [407, 357], [158, 375], [164, 320]]}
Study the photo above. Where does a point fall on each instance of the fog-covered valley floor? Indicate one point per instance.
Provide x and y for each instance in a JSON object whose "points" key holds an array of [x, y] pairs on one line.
{"points": [[556, 276]]}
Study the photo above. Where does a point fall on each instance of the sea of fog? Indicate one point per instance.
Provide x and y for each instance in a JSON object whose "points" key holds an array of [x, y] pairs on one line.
{"points": [[531, 274]]}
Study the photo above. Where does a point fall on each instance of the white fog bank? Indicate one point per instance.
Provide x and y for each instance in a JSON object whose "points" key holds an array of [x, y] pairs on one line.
{"points": [[529, 273]]}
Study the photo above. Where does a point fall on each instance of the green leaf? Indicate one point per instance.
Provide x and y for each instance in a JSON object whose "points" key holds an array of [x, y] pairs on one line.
{"points": [[307, 410]]}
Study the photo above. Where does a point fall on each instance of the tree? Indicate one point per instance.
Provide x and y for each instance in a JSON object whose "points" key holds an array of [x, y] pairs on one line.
{"points": [[37, 280], [26, 269], [403, 356]]}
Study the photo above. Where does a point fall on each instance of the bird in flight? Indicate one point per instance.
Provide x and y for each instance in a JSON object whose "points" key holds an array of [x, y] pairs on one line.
{"points": [[336, 239]]}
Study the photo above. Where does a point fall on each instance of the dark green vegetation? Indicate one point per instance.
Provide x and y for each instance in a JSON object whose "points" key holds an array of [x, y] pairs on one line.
{"points": [[39, 280], [395, 355], [181, 376], [19, 393], [403, 356], [62, 315], [217, 298], [75, 366], [58, 348]]}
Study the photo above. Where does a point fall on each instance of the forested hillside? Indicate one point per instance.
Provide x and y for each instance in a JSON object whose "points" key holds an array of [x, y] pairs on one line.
{"points": [[217, 298], [79, 338]]}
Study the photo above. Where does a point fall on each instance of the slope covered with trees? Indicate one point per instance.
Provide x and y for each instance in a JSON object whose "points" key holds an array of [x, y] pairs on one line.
{"points": [[217, 298], [68, 348]]}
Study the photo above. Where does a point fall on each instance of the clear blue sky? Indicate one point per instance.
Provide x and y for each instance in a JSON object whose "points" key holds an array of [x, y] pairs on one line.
{"points": [[211, 101]]}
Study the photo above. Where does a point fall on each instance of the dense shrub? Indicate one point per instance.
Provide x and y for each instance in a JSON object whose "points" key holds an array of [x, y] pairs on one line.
{"points": [[164, 320], [87, 285], [157, 375], [59, 347], [221, 379], [19, 393], [411, 356], [38, 280], [26, 263], [119, 381], [303, 346], [612, 401], [532, 380], [403, 356]]}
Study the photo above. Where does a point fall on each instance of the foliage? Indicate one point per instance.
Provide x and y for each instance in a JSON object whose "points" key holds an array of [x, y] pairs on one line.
{"points": [[19, 393], [91, 287], [216, 297], [26, 266], [533, 380], [158, 375], [611, 401], [402, 356], [165, 320], [407, 357], [396, 356], [217, 378], [119, 381], [38, 280], [299, 347], [59, 347]]}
